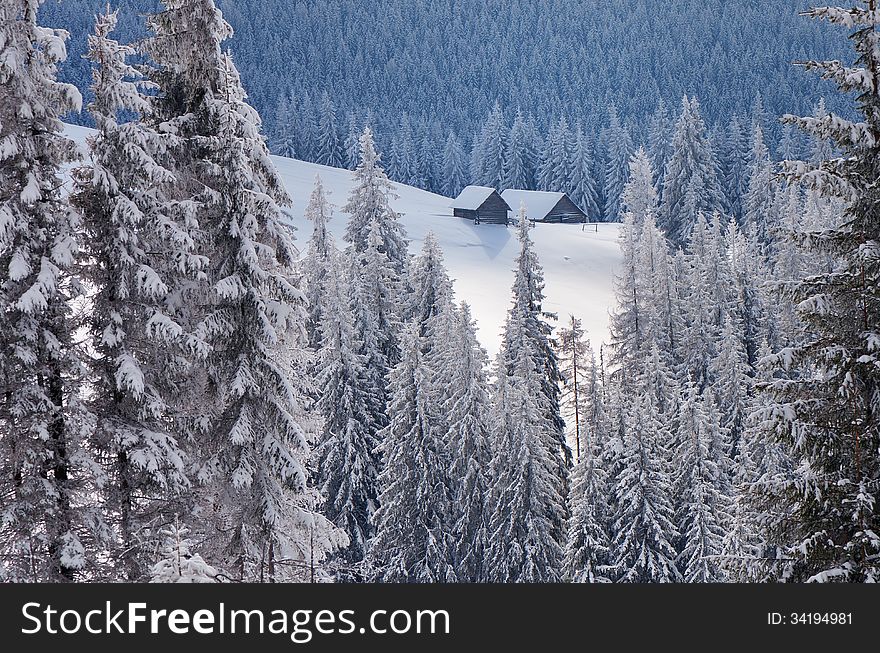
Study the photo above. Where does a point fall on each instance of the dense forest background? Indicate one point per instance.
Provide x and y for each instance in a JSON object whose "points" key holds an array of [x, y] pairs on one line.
{"points": [[422, 70]]}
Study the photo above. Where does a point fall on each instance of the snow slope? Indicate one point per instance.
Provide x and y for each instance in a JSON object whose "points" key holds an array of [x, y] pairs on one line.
{"points": [[578, 264]]}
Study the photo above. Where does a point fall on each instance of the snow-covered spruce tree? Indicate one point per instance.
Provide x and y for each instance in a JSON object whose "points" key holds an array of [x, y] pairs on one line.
{"points": [[639, 196], [253, 505], [643, 528], [732, 384], [492, 149], [733, 159], [575, 361], [413, 540], [284, 140], [414, 524], [370, 200], [137, 250], [701, 503], [178, 562], [659, 147], [329, 148], [375, 289], [618, 150], [526, 533], [826, 520], [519, 159], [348, 466], [630, 323], [528, 299], [50, 527], [555, 172], [466, 411], [757, 213], [587, 545], [690, 175], [582, 186], [454, 166], [587, 548], [317, 260]]}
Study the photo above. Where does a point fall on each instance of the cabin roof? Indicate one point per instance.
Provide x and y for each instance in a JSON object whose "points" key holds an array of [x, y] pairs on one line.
{"points": [[472, 197], [538, 203]]}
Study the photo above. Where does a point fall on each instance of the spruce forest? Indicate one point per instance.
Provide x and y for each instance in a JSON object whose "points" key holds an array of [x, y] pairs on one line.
{"points": [[191, 390]]}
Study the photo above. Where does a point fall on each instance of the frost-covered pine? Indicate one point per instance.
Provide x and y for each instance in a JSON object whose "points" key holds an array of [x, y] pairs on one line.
{"points": [[528, 299], [414, 541], [315, 267], [351, 146], [329, 147], [643, 530], [582, 184], [824, 409], [178, 563], [757, 212], [466, 411], [733, 158], [454, 166], [370, 201], [732, 383], [576, 365], [554, 171], [639, 195], [492, 149], [139, 252], [587, 545], [690, 181], [618, 150], [519, 159], [528, 507], [701, 510], [284, 141], [587, 550], [659, 147], [50, 524], [254, 505], [348, 463]]}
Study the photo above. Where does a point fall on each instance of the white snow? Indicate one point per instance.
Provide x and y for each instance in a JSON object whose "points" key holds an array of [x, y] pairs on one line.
{"points": [[538, 203], [471, 197], [578, 260]]}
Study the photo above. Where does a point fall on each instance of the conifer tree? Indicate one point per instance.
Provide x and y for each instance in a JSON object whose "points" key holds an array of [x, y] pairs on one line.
{"points": [[519, 160], [329, 148], [139, 250], [642, 549], [466, 411], [825, 413], [254, 503], [690, 181], [370, 201], [454, 166], [50, 525], [315, 267], [178, 563], [582, 186], [348, 465], [618, 143]]}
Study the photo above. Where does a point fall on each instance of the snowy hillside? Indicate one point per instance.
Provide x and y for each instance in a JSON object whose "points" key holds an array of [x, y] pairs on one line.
{"points": [[578, 263]]}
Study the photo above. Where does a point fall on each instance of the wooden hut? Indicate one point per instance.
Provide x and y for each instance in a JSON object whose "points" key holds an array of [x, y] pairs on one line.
{"points": [[543, 206], [481, 204]]}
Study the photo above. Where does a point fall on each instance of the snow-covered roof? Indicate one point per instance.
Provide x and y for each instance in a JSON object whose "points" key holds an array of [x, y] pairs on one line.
{"points": [[472, 197], [538, 203]]}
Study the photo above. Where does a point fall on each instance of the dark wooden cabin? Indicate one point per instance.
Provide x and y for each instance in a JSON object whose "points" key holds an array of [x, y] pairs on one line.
{"points": [[481, 204], [544, 206]]}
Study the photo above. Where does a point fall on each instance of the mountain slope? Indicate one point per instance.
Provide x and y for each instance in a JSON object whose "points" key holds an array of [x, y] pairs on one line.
{"points": [[578, 263]]}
